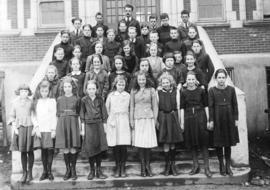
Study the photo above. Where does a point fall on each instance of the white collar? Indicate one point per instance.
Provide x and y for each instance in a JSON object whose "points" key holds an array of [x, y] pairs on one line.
{"points": [[120, 93], [76, 72]]}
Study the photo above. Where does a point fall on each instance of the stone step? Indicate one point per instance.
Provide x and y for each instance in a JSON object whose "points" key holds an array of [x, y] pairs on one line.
{"points": [[132, 155], [133, 179]]}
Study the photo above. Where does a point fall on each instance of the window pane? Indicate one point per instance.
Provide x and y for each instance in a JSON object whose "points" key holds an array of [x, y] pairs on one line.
{"points": [[52, 13], [266, 8], [210, 9]]}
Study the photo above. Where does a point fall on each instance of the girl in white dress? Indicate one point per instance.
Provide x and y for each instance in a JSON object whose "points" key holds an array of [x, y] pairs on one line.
{"points": [[44, 120], [118, 130]]}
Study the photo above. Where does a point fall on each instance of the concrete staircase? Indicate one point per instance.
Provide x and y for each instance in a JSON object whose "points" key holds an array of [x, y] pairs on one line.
{"points": [[184, 163]]}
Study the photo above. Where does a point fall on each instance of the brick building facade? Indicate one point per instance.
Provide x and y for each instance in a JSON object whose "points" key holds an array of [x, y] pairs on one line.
{"points": [[241, 28]]}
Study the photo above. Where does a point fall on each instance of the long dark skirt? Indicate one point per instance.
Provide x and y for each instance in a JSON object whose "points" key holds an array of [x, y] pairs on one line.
{"points": [[95, 140], [68, 133], [225, 132], [24, 141], [169, 128], [196, 133]]}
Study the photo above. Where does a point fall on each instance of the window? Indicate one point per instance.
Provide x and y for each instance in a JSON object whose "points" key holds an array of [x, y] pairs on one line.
{"points": [[210, 10], [266, 9], [267, 110], [114, 10], [51, 13], [230, 71]]}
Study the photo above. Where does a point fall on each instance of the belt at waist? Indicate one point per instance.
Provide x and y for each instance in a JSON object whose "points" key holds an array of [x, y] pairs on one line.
{"points": [[68, 113], [194, 109], [171, 111]]}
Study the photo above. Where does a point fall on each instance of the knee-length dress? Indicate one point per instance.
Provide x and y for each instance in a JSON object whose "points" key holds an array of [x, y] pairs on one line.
{"points": [[93, 114], [195, 122], [45, 120], [21, 116], [223, 110], [118, 130], [67, 129], [143, 113], [169, 127]]}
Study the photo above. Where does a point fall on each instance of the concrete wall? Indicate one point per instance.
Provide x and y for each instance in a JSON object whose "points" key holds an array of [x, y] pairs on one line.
{"points": [[250, 76]]}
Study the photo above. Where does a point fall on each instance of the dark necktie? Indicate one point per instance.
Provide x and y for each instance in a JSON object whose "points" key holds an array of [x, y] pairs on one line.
{"points": [[77, 33]]}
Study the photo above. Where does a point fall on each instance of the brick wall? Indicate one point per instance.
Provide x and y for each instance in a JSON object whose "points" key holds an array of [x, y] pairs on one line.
{"points": [[12, 13], [25, 48], [240, 40], [250, 7]]}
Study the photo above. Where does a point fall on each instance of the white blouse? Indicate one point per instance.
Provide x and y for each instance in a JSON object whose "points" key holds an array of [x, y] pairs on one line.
{"points": [[45, 119]]}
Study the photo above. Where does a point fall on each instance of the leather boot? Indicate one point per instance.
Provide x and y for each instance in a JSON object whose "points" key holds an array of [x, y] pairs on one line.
{"points": [[172, 162], [167, 163], [67, 162], [117, 172], [44, 156], [147, 163], [30, 167], [221, 162], [141, 154], [228, 161], [91, 175], [50, 161], [196, 167], [99, 173], [24, 167], [73, 166]]}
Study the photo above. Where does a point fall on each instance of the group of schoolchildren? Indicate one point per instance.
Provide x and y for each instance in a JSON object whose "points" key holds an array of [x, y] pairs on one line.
{"points": [[143, 86]]}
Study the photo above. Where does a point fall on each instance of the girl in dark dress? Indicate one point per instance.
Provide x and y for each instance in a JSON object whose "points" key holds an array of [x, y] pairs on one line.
{"points": [[223, 116], [118, 68], [77, 75], [85, 43], [130, 58], [170, 132], [203, 60], [68, 129], [122, 32], [194, 120], [93, 115], [190, 62]]}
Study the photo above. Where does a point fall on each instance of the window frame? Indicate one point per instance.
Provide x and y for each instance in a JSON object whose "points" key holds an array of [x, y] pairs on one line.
{"points": [[266, 16], [39, 14], [217, 19], [119, 17]]}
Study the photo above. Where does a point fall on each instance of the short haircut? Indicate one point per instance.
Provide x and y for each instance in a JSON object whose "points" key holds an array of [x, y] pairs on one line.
{"points": [[87, 25], [132, 28], [64, 32], [144, 25], [185, 12], [221, 71], [129, 6], [173, 28], [167, 56], [76, 18], [164, 16], [110, 30], [99, 14], [152, 17]]}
